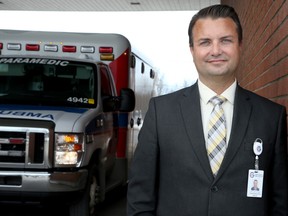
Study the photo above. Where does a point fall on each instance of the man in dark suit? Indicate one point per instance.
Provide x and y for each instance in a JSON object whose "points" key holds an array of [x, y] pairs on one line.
{"points": [[255, 185], [176, 172]]}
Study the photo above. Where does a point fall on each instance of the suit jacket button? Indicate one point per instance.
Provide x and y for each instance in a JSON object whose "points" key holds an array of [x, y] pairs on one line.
{"points": [[214, 189]]}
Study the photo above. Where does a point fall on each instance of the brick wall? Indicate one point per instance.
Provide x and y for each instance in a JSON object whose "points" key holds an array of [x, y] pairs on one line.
{"points": [[264, 63]]}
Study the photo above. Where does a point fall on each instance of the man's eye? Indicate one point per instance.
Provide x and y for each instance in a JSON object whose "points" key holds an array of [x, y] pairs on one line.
{"points": [[226, 41], [204, 43]]}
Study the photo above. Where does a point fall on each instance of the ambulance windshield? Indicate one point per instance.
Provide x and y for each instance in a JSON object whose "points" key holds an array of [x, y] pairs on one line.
{"points": [[52, 82]]}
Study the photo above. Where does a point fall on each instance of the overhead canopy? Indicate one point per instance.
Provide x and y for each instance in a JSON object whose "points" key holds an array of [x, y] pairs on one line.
{"points": [[105, 5]]}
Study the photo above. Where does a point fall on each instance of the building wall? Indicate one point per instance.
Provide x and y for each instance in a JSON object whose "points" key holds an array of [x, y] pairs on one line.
{"points": [[264, 63]]}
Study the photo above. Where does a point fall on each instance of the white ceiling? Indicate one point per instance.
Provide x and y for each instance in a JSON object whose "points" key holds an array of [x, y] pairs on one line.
{"points": [[105, 5]]}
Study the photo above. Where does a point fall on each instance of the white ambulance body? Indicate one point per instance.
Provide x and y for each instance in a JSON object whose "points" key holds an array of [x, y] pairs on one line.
{"points": [[67, 116]]}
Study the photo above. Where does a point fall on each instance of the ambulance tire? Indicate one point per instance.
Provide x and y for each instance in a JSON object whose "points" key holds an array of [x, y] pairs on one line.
{"points": [[86, 206]]}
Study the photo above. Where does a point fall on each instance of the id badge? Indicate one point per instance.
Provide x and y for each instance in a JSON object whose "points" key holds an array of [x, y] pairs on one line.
{"points": [[255, 183]]}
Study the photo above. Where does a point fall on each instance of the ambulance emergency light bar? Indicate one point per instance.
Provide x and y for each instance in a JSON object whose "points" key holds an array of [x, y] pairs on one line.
{"points": [[106, 53]]}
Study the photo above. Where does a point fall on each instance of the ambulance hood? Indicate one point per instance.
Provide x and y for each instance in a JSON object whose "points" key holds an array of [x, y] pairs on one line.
{"points": [[65, 118]]}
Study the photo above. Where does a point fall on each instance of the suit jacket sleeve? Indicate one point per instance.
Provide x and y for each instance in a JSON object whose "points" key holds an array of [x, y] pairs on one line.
{"points": [[141, 197], [278, 176]]}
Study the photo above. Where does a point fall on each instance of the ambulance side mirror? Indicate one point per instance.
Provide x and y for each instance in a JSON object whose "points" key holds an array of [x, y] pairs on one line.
{"points": [[123, 103], [127, 100]]}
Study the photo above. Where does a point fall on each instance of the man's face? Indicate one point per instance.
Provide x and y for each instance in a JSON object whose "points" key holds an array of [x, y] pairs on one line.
{"points": [[216, 49]]}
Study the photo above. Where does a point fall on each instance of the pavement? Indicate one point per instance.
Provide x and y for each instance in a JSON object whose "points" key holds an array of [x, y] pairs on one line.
{"points": [[114, 205]]}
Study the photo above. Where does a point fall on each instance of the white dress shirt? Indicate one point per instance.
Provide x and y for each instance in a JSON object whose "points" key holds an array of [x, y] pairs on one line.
{"points": [[206, 107]]}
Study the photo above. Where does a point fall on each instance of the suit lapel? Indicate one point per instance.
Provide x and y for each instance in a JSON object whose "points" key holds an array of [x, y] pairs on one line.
{"points": [[191, 114], [241, 117]]}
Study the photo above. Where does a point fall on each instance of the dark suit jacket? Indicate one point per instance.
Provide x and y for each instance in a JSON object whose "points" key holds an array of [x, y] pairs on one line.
{"points": [[171, 175]]}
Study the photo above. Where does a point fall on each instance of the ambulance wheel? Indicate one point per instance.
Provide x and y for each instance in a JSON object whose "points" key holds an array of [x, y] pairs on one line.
{"points": [[86, 206]]}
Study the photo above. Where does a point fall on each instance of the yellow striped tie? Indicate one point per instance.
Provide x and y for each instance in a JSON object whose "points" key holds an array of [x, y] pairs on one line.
{"points": [[216, 142]]}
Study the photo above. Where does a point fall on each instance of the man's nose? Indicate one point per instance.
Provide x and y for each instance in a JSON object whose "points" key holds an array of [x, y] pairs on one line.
{"points": [[216, 49]]}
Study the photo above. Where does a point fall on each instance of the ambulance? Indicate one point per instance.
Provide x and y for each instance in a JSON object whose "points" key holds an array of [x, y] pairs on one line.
{"points": [[71, 105]]}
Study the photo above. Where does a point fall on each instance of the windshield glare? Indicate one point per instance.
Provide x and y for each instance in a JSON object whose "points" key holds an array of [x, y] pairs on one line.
{"points": [[69, 84]]}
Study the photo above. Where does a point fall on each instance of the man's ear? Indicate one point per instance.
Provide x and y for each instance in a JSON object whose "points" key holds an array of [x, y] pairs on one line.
{"points": [[191, 49]]}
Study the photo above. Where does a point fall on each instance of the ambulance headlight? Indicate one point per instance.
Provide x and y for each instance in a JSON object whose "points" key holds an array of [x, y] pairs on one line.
{"points": [[69, 149]]}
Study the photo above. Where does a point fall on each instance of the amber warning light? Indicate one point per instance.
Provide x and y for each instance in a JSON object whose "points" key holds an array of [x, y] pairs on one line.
{"points": [[106, 53]]}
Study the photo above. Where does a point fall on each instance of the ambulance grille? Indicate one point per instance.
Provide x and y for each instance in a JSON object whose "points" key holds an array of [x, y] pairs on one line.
{"points": [[25, 144], [13, 146]]}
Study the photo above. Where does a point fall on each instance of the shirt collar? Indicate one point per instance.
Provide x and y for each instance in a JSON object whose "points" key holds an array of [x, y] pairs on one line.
{"points": [[206, 93]]}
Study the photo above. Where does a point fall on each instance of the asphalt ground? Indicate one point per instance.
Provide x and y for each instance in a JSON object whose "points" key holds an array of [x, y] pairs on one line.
{"points": [[114, 205]]}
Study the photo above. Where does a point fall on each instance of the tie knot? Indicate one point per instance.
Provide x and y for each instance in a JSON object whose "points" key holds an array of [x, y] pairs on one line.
{"points": [[217, 100]]}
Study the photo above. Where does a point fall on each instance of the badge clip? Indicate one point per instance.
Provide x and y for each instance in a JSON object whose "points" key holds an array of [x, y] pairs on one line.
{"points": [[257, 149]]}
